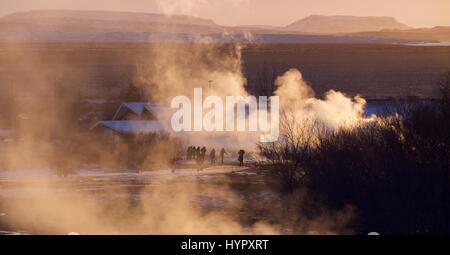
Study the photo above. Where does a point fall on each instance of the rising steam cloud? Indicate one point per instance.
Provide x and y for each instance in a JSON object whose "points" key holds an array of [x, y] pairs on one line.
{"points": [[170, 72], [334, 111]]}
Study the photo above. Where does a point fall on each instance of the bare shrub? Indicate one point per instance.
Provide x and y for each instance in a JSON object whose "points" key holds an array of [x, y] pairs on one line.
{"points": [[395, 170], [287, 157]]}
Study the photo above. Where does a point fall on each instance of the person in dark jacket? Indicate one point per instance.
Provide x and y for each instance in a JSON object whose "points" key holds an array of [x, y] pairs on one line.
{"points": [[203, 152], [200, 159], [189, 153], [197, 153], [241, 157], [212, 156], [222, 155]]}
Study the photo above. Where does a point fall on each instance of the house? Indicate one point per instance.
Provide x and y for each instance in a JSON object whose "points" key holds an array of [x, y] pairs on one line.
{"points": [[133, 118]]}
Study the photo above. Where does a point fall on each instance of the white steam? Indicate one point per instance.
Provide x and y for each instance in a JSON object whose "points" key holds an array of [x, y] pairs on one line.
{"points": [[334, 111]]}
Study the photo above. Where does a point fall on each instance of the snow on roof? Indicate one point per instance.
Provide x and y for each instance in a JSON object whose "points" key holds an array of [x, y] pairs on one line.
{"points": [[139, 108], [141, 126], [133, 126]]}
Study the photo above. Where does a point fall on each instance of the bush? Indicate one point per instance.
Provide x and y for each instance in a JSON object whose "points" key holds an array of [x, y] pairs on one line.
{"points": [[395, 171]]}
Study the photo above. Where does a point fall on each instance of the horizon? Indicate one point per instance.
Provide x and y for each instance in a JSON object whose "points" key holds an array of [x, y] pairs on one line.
{"points": [[194, 16], [256, 13]]}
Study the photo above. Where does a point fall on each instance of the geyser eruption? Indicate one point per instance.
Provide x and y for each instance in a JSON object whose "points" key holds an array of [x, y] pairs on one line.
{"points": [[170, 72], [334, 111]]}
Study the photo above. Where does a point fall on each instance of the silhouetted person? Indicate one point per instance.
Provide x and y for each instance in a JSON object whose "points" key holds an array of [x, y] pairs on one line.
{"points": [[197, 153], [212, 156], [200, 159], [189, 153], [241, 157], [193, 151], [203, 151], [222, 155]]}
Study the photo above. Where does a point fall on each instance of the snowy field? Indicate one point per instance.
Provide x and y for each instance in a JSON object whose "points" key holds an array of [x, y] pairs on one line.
{"points": [[218, 200]]}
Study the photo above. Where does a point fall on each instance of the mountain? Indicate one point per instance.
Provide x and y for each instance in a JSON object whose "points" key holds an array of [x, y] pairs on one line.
{"points": [[88, 22], [319, 24], [61, 15], [441, 34], [111, 26]]}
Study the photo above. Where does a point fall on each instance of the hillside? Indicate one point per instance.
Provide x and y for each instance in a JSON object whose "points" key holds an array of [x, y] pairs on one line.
{"points": [[61, 15], [441, 34], [320, 24], [111, 26], [98, 22]]}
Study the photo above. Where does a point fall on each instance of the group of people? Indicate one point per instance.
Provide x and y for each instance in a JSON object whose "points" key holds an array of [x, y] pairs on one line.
{"points": [[198, 154], [195, 153]]}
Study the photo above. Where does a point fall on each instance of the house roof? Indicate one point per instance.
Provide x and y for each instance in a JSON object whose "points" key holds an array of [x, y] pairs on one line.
{"points": [[141, 126], [139, 109]]}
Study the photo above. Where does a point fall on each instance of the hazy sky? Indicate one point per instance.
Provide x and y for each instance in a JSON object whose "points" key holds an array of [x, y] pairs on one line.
{"points": [[416, 13]]}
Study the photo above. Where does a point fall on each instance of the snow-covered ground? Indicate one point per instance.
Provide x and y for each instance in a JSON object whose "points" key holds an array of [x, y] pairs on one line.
{"points": [[211, 192]]}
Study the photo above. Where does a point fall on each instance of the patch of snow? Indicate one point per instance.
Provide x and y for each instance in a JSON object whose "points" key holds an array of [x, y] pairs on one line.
{"points": [[431, 44], [2, 232]]}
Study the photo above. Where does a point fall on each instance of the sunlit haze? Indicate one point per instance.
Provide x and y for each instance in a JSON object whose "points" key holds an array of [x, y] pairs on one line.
{"points": [[416, 13]]}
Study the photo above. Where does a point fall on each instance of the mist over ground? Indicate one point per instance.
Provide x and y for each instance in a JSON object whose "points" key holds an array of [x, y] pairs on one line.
{"points": [[75, 157]]}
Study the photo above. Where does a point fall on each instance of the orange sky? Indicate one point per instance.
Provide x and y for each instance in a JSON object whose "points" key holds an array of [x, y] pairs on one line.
{"points": [[416, 13]]}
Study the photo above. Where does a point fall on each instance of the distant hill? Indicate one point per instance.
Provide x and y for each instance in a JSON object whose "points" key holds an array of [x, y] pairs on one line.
{"points": [[320, 24], [441, 34], [62, 15], [97, 22], [111, 26]]}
